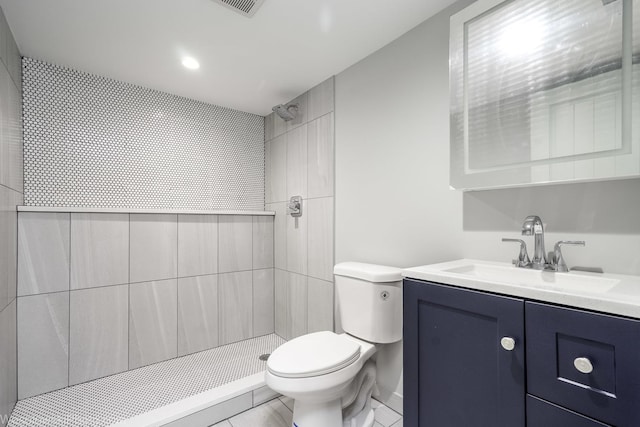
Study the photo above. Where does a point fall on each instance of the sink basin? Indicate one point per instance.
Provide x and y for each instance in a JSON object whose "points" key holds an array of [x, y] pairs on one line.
{"points": [[533, 278]]}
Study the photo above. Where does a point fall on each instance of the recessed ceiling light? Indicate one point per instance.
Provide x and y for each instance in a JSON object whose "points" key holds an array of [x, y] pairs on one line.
{"points": [[190, 63]]}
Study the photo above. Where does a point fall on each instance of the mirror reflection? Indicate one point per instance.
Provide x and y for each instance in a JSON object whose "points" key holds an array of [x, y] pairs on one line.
{"points": [[545, 91]]}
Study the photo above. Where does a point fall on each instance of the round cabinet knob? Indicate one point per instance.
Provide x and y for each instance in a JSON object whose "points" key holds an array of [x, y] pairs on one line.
{"points": [[583, 365], [508, 343]]}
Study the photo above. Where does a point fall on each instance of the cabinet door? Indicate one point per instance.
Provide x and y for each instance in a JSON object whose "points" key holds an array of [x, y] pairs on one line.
{"points": [[545, 414], [558, 338], [456, 372]]}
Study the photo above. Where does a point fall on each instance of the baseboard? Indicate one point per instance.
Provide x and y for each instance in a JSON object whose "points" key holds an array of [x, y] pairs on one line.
{"points": [[391, 399]]}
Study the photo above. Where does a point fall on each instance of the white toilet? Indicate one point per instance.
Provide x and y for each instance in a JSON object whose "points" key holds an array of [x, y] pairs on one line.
{"points": [[330, 376]]}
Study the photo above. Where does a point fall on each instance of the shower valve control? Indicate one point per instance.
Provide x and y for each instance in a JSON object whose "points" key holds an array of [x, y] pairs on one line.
{"points": [[294, 208], [384, 295]]}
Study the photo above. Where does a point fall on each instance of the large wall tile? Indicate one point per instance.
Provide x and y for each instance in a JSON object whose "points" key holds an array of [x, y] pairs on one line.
{"points": [[99, 327], [4, 28], [279, 126], [43, 343], [99, 250], [320, 99], [279, 234], [8, 244], [297, 162], [276, 170], [235, 303], [290, 304], [263, 242], [268, 127], [320, 157], [8, 370], [197, 314], [320, 238], [154, 247], [297, 242], [197, 245], [297, 307], [263, 304], [281, 291], [43, 252], [11, 134], [320, 297], [153, 322], [301, 116], [235, 250]]}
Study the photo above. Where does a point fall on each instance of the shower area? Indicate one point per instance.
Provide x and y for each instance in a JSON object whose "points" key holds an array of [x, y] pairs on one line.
{"points": [[149, 258]]}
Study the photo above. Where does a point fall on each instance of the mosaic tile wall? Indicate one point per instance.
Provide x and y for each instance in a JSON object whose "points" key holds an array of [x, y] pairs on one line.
{"points": [[90, 141]]}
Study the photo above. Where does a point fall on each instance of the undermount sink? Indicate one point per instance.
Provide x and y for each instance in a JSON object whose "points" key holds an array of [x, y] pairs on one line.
{"points": [[534, 278]]}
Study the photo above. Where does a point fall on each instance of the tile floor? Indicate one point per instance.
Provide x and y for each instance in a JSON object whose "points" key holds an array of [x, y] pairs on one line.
{"points": [[278, 413]]}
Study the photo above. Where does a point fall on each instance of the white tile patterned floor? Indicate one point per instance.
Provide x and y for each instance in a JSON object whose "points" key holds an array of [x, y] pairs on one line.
{"points": [[118, 397], [278, 413]]}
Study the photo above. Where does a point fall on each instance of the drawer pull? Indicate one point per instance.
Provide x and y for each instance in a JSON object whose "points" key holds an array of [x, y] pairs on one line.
{"points": [[583, 365], [508, 343]]}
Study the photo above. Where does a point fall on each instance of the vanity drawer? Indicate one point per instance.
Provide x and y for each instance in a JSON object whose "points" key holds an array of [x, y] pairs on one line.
{"points": [[545, 414], [608, 348]]}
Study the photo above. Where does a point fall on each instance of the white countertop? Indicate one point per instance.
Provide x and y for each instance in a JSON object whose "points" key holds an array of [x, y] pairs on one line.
{"points": [[608, 293]]}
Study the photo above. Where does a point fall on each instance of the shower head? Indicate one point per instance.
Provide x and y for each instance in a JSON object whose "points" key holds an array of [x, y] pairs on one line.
{"points": [[286, 112]]}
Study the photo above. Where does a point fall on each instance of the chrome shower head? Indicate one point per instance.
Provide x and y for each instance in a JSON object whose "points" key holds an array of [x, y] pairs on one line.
{"points": [[286, 112]]}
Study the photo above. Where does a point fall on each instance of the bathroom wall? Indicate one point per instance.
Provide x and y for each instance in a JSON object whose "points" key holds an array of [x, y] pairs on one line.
{"points": [[101, 293], [299, 159], [393, 202], [91, 141], [10, 196]]}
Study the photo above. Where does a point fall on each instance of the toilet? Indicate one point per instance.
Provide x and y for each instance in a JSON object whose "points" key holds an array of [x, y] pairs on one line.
{"points": [[330, 376]]}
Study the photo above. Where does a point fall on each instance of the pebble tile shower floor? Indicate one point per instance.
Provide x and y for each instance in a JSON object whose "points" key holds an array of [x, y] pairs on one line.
{"points": [[118, 397]]}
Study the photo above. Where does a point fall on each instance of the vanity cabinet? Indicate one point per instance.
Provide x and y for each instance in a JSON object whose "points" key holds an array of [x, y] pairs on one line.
{"points": [[465, 353], [456, 373]]}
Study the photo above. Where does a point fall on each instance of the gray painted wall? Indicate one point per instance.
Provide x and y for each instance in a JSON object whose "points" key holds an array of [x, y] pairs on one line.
{"points": [[10, 196], [393, 202]]}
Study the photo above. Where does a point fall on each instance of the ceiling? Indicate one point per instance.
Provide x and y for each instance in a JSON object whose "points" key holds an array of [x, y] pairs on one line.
{"points": [[249, 64]]}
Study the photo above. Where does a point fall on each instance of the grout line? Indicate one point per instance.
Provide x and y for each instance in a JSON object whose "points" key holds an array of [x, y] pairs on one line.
{"points": [[253, 282], [128, 345], [69, 308], [177, 284]]}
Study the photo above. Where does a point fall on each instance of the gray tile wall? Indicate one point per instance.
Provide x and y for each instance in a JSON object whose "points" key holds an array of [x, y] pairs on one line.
{"points": [[299, 161], [96, 142], [138, 289], [11, 189]]}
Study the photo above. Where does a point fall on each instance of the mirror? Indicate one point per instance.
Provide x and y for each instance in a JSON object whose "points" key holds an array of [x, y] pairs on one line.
{"points": [[544, 91]]}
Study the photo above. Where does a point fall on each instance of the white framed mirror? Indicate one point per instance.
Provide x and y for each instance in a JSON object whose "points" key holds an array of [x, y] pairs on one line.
{"points": [[544, 91]]}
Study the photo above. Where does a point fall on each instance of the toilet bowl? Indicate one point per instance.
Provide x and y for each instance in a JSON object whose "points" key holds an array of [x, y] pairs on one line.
{"points": [[316, 370], [330, 376]]}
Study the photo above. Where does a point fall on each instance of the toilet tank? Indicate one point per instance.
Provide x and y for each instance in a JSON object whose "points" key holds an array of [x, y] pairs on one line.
{"points": [[369, 299]]}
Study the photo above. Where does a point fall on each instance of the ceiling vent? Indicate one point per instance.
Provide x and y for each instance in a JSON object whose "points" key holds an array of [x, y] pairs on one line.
{"points": [[244, 7]]}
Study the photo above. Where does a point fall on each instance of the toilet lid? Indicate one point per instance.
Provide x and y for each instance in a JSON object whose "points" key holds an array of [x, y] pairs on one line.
{"points": [[313, 354]]}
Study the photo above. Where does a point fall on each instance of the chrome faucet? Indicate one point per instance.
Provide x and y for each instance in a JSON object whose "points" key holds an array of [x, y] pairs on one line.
{"points": [[532, 226], [558, 260]]}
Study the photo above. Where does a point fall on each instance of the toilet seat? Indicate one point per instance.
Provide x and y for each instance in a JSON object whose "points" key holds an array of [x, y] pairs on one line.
{"points": [[312, 355]]}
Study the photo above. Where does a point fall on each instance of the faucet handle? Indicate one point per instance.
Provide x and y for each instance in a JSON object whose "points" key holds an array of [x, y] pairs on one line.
{"points": [[523, 257], [558, 260]]}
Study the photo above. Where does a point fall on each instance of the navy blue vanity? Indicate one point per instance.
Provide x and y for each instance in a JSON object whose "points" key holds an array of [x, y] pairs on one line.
{"points": [[482, 359]]}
